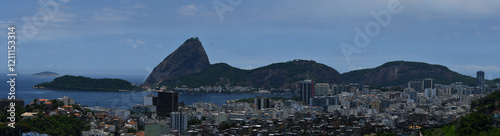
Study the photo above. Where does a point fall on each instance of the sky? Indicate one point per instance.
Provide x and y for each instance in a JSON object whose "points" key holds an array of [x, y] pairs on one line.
{"points": [[131, 37]]}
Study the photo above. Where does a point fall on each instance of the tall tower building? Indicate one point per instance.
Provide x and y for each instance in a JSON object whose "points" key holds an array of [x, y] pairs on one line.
{"points": [[412, 95], [262, 102], [148, 100], [306, 90], [416, 85], [480, 80], [178, 121], [427, 83], [167, 102], [322, 89]]}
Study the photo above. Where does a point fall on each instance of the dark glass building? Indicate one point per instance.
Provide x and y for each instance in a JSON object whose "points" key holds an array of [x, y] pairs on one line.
{"points": [[306, 91], [167, 102], [480, 80]]}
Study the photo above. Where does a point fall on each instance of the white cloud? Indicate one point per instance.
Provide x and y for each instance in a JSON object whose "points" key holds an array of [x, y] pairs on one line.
{"points": [[63, 17], [494, 27], [65, 1], [188, 10], [5, 24], [110, 14], [134, 43], [138, 5], [476, 7]]}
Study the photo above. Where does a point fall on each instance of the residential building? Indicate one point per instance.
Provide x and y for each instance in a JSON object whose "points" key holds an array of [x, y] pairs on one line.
{"points": [[178, 121], [306, 90]]}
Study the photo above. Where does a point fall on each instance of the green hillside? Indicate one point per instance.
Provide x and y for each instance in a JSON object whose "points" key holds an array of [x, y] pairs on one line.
{"points": [[68, 82]]}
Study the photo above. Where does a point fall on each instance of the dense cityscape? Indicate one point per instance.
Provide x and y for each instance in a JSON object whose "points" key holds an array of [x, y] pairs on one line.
{"points": [[250, 68], [320, 109]]}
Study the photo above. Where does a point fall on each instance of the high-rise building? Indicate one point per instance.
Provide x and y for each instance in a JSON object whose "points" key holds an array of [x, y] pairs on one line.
{"points": [[480, 80], [148, 100], [324, 101], [262, 102], [322, 89], [416, 85], [427, 83], [178, 121], [306, 90], [67, 100], [412, 97], [375, 105], [167, 102], [430, 93]]}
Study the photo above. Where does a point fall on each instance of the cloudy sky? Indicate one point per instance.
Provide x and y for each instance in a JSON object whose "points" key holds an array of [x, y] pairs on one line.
{"points": [[131, 37]]}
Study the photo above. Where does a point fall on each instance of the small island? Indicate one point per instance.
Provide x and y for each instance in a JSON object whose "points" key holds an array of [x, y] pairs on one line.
{"points": [[46, 73], [68, 82]]}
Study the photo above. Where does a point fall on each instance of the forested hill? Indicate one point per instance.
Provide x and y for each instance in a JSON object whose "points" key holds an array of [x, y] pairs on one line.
{"points": [[68, 82]]}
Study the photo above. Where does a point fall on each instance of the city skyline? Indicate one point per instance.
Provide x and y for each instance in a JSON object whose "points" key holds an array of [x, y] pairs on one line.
{"points": [[131, 37]]}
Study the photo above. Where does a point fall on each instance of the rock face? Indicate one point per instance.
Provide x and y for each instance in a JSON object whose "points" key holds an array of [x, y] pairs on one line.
{"points": [[189, 58]]}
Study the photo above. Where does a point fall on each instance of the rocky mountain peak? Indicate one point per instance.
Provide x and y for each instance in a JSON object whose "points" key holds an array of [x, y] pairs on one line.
{"points": [[189, 58]]}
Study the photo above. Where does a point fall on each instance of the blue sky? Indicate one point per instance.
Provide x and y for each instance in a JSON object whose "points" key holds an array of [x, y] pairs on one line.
{"points": [[131, 37]]}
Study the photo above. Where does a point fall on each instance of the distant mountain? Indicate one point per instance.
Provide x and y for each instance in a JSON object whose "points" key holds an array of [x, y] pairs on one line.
{"points": [[68, 82], [189, 58], [497, 80], [189, 65], [285, 75], [288, 74], [46, 73], [397, 73]]}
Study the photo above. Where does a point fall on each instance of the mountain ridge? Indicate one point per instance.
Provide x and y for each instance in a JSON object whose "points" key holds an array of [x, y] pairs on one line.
{"points": [[281, 75], [400, 72], [189, 65]]}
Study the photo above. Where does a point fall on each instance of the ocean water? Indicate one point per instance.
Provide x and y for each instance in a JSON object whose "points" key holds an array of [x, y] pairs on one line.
{"points": [[109, 99]]}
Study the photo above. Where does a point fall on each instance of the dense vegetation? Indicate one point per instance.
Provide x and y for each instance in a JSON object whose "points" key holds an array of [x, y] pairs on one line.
{"points": [[192, 39], [56, 125], [496, 80], [194, 122], [272, 76], [487, 104], [470, 124], [84, 83], [278, 75], [478, 122], [216, 74], [413, 67]]}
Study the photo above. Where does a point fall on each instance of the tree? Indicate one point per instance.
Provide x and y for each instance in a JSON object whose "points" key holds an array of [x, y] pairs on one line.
{"points": [[194, 122], [131, 130], [473, 123]]}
